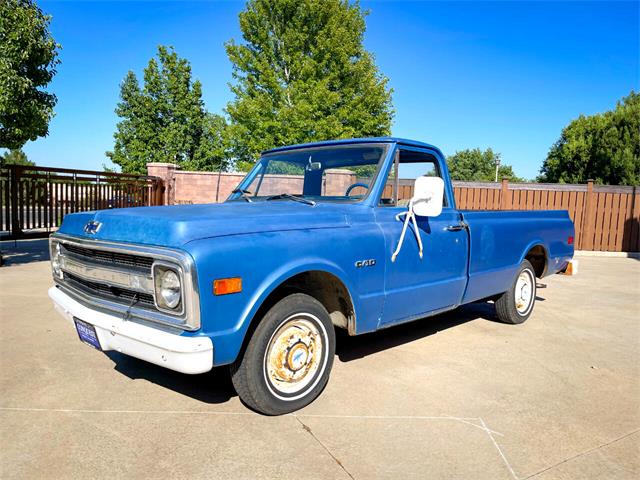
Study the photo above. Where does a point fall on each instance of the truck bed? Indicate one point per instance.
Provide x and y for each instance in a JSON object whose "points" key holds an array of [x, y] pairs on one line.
{"points": [[499, 240]]}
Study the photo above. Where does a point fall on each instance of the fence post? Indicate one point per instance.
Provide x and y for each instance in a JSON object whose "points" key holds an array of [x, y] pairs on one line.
{"points": [[505, 201], [634, 233], [588, 218], [74, 194], [14, 179]]}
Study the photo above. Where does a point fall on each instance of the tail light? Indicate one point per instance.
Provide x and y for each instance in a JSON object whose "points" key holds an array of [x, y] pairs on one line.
{"points": [[570, 240]]}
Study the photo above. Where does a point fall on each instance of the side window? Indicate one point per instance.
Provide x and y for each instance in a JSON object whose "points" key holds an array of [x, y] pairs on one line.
{"points": [[411, 165]]}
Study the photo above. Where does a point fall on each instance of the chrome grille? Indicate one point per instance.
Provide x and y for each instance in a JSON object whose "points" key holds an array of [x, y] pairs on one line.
{"points": [[108, 257], [110, 293], [118, 277]]}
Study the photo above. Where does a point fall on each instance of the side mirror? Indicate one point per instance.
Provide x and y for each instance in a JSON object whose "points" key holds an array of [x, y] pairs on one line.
{"points": [[428, 193], [314, 166]]}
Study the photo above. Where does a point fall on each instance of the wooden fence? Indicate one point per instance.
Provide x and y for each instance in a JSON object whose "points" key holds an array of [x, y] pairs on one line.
{"points": [[606, 218], [33, 200]]}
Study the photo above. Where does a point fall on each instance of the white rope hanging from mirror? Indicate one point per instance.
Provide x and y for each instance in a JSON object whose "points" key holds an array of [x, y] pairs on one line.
{"points": [[428, 194], [409, 216]]}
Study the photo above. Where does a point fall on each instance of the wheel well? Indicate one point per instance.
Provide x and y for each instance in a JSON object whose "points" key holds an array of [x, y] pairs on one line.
{"points": [[324, 287], [537, 256]]}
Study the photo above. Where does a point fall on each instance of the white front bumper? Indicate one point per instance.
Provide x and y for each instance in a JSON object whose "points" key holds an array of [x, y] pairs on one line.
{"points": [[176, 352]]}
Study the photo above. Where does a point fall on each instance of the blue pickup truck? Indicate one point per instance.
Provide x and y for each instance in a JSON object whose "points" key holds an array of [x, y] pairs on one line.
{"points": [[356, 234]]}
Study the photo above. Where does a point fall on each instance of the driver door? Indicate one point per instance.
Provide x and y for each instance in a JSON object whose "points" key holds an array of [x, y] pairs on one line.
{"points": [[415, 286]]}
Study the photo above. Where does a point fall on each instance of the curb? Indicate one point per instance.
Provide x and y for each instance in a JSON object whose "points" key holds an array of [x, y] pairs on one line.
{"points": [[589, 253]]}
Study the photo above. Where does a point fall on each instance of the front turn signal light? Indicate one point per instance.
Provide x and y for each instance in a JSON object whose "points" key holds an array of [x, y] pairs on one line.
{"points": [[225, 286]]}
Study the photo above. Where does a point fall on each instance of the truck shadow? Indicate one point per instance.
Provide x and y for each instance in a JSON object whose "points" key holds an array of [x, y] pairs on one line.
{"points": [[24, 251], [352, 348], [212, 387], [215, 387]]}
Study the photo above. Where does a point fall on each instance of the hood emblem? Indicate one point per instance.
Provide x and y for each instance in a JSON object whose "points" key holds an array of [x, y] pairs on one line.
{"points": [[92, 227]]}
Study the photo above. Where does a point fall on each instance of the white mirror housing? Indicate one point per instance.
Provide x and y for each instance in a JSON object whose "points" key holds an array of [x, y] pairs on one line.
{"points": [[428, 193]]}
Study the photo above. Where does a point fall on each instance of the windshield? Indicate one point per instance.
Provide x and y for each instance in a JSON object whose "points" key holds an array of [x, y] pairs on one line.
{"points": [[336, 173]]}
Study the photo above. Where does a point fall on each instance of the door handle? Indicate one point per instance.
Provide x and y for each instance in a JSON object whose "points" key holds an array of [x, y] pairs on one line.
{"points": [[458, 227]]}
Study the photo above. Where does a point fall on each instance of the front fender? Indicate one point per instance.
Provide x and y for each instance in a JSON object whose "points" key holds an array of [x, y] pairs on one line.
{"points": [[264, 261], [287, 271]]}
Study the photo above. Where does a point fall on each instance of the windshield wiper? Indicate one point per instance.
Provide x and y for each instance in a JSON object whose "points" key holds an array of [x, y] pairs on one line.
{"points": [[295, 198], [243, 193]]}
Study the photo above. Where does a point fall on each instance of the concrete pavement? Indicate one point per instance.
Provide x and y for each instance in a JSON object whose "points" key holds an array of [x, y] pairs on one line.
{"points": [[456, 396]]}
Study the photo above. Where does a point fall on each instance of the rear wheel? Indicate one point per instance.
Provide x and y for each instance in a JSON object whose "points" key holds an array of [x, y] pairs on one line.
{"points": [[516, 304], [289, 357]]}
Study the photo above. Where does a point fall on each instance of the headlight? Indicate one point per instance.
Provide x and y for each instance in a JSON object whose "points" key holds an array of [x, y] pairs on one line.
{"points": [[54, 250], [168, 288]]}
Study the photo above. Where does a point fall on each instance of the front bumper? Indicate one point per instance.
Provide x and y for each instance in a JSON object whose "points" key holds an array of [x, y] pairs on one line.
{"points": [[176, 352]]}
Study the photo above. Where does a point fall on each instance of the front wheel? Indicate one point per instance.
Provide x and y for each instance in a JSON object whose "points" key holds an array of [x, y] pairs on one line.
{"points": [[287, 362], [516, 304]]}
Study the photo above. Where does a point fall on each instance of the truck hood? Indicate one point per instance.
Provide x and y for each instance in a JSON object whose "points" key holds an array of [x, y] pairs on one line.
{"points": [[173, 226]]}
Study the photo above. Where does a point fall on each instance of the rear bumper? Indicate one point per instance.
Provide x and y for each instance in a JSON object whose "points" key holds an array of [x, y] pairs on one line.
{"points": [[175, 352], [557, 264]]}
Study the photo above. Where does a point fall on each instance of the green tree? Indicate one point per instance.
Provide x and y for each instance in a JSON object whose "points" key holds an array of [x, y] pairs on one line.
{"points": [[302, 74], [479, 166], [211, 153], [165, 120], [604, 147], [28, 60], [15, 157]]}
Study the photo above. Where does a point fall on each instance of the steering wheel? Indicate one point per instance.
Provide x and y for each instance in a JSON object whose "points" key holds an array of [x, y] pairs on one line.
{"points": [[351, 187]]}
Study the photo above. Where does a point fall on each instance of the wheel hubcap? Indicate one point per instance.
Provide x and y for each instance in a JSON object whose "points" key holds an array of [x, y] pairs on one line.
{"points": [[524, 292], [297, 357], [293, 356]]}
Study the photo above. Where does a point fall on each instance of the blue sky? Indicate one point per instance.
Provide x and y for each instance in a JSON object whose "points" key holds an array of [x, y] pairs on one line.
{"points": [[507, 75]]}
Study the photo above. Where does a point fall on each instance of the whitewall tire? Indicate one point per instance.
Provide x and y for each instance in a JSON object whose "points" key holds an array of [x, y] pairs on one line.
{"points": [[288, 359]]}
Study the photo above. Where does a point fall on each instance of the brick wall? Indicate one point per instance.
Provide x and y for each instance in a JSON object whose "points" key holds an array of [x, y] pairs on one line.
{"points": [[211, 187], [337, 181], [204, 187]]}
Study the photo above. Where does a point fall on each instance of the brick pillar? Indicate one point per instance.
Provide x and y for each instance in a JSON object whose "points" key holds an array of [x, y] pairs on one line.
{"points": [[166, 171]]}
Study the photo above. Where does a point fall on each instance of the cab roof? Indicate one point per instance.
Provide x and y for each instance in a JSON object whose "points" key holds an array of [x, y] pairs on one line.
{"points": [[349, 141]]}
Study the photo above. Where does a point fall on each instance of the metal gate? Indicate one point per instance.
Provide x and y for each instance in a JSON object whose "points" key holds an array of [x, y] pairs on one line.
{"points": [[34, 200]]}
